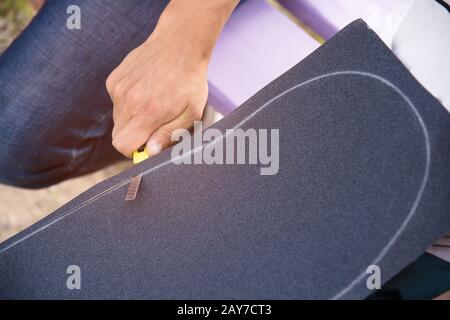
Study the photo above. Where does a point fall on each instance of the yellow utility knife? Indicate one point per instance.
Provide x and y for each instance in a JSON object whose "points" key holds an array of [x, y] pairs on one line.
{"points": [[140, 155]]}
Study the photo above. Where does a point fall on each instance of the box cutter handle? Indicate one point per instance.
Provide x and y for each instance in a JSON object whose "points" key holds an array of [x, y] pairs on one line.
{"points": [[140, 155]]}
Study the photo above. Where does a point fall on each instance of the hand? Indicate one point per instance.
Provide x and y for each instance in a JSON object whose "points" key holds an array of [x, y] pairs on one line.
{"points": [[158, 88], [162, 85]]}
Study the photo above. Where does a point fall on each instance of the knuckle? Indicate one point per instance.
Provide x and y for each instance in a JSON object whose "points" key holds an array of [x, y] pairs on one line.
{"points": [[118, 145], [109, 84]]}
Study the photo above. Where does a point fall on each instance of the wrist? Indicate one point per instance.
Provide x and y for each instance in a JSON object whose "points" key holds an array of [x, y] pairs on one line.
{"points": [[185, 43], [193, 27]]}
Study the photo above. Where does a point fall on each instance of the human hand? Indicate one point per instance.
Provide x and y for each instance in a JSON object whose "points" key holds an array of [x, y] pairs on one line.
{"points": [[158, 88], [162, 85]]}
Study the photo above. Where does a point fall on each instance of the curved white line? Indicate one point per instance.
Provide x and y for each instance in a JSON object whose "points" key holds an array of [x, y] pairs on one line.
{"points": [[250, 116], [408, 218]]}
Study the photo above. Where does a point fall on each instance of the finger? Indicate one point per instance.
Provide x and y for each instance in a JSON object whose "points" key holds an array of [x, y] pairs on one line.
{"points": [[162, 137], [118, 122], [119, 73], [125, 108], [135, 134], [120, 118]]}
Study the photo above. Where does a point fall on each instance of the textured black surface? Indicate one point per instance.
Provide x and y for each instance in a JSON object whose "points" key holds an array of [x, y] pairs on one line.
{"points": [[364, 178]]}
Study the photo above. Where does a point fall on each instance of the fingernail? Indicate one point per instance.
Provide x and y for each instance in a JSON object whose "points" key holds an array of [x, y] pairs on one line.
{"points": [[154, 148]]}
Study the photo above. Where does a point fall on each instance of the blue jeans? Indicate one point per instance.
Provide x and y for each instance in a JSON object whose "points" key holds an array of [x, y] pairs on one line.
{"points": [[55, 112]]}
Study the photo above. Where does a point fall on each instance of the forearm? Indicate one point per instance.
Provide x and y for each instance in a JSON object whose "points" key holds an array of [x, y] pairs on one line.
{"points": [[195, 24]]}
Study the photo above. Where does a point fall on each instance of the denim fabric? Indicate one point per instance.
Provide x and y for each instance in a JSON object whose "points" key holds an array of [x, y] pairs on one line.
{"points": [[55, 113], [364, 179]]}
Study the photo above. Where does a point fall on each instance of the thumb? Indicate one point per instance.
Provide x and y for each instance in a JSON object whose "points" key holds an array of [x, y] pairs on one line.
{"points": [[161, 138]]}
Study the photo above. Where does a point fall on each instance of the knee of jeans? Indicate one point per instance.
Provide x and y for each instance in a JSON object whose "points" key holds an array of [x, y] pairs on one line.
{"points": [[30, 167]]}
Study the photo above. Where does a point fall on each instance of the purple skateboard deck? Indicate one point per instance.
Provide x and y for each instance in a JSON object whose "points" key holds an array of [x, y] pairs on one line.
{"points": [[258, 45]]}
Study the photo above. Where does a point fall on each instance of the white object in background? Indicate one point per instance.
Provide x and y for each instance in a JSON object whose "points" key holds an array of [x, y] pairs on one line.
{"points": [[422, 43]]}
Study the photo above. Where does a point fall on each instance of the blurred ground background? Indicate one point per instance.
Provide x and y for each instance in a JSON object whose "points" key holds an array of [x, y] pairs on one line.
{"points": [[21, 208]]}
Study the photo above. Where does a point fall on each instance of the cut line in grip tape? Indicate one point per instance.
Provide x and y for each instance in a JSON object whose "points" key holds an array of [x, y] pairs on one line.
{"points": [[133, 188]]}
